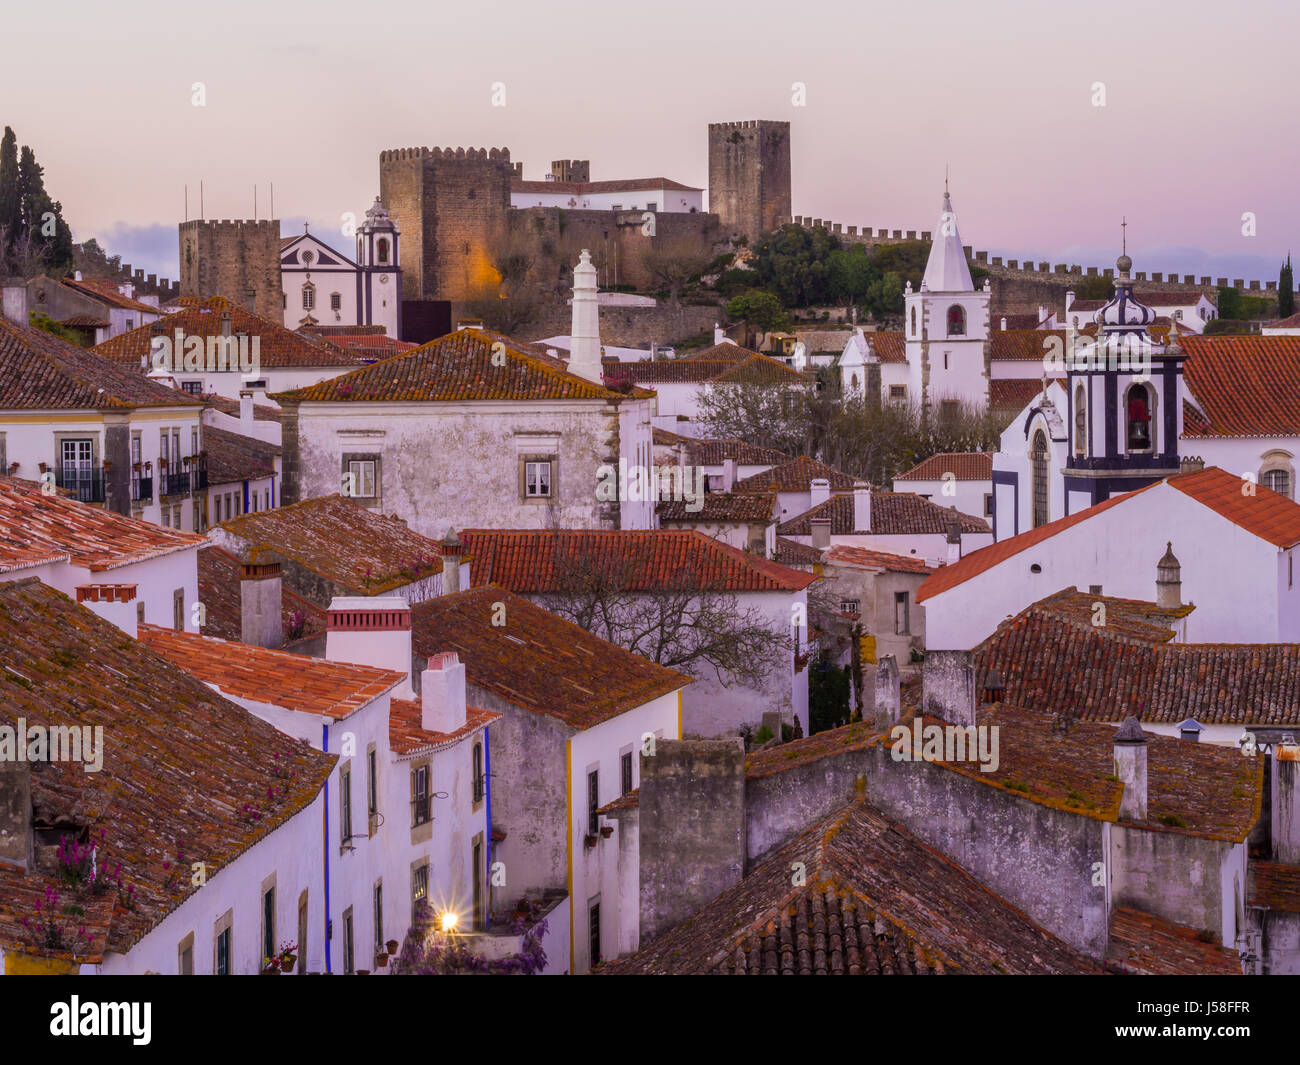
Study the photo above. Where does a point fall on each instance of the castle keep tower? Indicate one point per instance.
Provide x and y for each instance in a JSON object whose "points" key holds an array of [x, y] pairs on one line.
{"points": [[448, 203], [749, 175], [239, 260]]}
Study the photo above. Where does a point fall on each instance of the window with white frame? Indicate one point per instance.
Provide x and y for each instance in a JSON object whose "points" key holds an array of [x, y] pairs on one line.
{"points": [[537, 480]]}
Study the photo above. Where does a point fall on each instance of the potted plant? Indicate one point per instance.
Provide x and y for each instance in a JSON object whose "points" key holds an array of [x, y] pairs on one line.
{"points": [[606, 831], [13, 468], [44, 466], [589, 840], [108, 465], [381, 961], [392, 946], [136, 466]]}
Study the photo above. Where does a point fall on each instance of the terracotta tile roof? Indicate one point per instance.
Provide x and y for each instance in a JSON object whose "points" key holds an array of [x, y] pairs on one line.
{"points": [[292, 682], [840, 555], [1196, 789], [1051, 657], [1247, 385], [407, 734], [726, 351], [262, 412], [369, 346], [793, 553], [1010, 393], [1291, 322], [1142, 944], [747, 507], [233, 458], [721, 363], [665, 371], [106, 291], [277, 346], [986, 558], [702, 452], [1266, 514], [892, 514], [629, 800], [1016, 321], [809, 749], [1024, 344], [529, 561], [355, 548], [87, 321], [877, 902], [536, 660], [1275, 886], [458, 367], [220, 595], [35, 526], [39, 371], [797, 475], [889, 345], [181, 764], [580, 188], [963, 465]]}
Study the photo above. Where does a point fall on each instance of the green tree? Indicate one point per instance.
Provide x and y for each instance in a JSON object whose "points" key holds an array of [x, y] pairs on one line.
{"points": [[1229, 303], [759, 310], [792, 263], [828, 696], [1286, 290], [10, 204], [851, 273], [1094, 288]]}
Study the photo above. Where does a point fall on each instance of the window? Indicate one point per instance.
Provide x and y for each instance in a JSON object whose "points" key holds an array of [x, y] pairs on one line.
{"points": [[372, 789], [1080, 421], [851, 606], [420, 882], [302, 932], [194, 388], [913, 321], [945, 359], [130, 323], [345, 805], [78, 468], [185, 956], [379, 917], [349, 961], [194, 440], [898, 391], [420, 812], [902, 625], [166, 518], [381, 250], [1278, 480], [1038, 472], [652, 206], [479, 780], [626, 767], [988, 504], [336, 301], [163, 454], [308, 296], [268, 924], [178, 610], [956, 320], [1178, 316], [363, 475], [593, 802], [593, 943], [223, 952], [1139, 418], [537, 479], [478, 915]]}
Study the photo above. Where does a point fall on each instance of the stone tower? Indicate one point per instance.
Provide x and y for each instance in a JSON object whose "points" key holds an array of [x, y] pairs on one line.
{"points": [[239, 260], [749, 175], [448, 203]]}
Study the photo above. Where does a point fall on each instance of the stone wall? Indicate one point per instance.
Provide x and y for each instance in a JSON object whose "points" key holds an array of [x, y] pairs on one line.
{"points": [[239, 260], [749, 175], [630, 327]]}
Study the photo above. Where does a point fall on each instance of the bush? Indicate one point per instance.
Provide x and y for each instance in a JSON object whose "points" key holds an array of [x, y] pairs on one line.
{"points": [[762, 736]]}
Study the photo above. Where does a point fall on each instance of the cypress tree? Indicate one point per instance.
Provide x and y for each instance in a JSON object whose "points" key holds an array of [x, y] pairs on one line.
{"points": [[10, 208], [1286, 290]]}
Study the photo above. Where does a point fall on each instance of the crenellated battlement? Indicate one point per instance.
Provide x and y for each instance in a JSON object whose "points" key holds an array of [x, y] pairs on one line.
{"points": [[396, 155]]}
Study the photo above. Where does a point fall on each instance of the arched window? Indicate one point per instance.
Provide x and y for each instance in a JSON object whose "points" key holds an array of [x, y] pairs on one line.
{"points": [[1137, 404], [1080, 421], [308, 296], [381, 251], [853, 383], [956, 320], [1276, 471], [913, 321], [1038, 473]]}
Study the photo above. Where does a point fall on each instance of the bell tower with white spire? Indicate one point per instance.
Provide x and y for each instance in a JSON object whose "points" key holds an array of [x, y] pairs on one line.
{"points": [[946, 324]]}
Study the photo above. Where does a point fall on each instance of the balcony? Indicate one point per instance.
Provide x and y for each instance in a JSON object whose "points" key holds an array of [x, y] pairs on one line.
{"points": [[87, 486], [421, 810], [141, 489], [194, 478]]}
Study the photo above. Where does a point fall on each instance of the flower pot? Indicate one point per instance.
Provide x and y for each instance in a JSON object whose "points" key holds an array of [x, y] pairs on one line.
{"points": [[606, 831], [287, 963], [392, 945], [381, 961], [363, 972]]}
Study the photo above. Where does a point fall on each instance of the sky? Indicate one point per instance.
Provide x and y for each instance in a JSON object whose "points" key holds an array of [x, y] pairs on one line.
{"points": [[1198, 127]]}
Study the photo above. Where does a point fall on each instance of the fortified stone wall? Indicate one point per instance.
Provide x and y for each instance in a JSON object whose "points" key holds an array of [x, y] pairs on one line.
{"points": [[236, 259], [749, 175]]}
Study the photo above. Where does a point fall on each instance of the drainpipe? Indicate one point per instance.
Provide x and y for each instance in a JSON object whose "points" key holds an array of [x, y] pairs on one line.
{"points": [[325, 747]]}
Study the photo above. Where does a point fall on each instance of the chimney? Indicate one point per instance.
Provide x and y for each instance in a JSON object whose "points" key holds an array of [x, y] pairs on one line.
{"points": [[260, 604], [687, 858], [1069, 298], [113, 602], [1131, 768], [728, 474], [225, 323], [954, 538], [821, 532], [372, 631], [16, 811], [15, 302], [862, 510], [820, 491], [1042, 313], [76, 275], [719, 335], [1169, 580], [442, 693], [1285, 802], [584, 339], [948, 686], [451, 552], [889, 701], [1004, 323], [246, 411], [1191, 464]]}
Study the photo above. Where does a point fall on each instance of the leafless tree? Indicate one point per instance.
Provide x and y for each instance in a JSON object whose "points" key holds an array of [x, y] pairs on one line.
{"points": [[673, 261]]}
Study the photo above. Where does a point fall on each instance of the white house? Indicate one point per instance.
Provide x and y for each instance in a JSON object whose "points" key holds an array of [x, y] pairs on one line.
{"points": [[799, 484], [94, 308], [478, 428], [1028, 489], [959, 479], [634, 194], [1235, 539], [865, 355], [1192, 311], [1283, 327]]}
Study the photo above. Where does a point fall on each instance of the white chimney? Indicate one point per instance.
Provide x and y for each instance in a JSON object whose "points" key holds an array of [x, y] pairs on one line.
{"points": [[718, 335], [862, 510], [15, 302], [1042, 313], [584, 338], [728, 474], [1131, 768], [76, 275], [246, 411], [372, 631], [821, 532], [820, 491], [1004, 323], [114, 603], [1069, 298], [261, 604], [451, 554], [442, 693]]}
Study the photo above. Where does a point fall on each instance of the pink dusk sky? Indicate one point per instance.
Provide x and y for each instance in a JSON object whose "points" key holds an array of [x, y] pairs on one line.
{"points": [[1198, 127]]}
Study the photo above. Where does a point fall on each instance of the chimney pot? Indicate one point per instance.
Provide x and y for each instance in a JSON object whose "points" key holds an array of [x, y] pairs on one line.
{"points": [[1131, 768], [260, 619], [442, 693]]}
